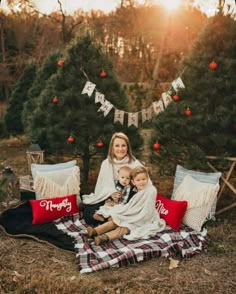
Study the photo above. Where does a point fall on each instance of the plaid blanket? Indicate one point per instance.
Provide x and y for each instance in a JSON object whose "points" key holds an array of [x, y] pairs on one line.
{"points": [[122, 252]]}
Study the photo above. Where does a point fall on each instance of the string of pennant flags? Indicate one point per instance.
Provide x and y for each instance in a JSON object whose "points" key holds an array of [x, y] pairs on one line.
{"points": [[133, 117]]}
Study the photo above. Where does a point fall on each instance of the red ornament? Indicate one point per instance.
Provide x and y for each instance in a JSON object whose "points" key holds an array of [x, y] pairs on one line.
{"points": [[188, 112], [71, 139], [176, 97], [60, 62], [156, 146], [213, 65], [55, 100], [103, 74], [100, 144]]}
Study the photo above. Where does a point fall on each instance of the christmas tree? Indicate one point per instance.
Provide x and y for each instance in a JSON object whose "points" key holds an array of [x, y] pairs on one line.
{"points": [[48, 68], [19, 96], [65, 119], [209, 125]]}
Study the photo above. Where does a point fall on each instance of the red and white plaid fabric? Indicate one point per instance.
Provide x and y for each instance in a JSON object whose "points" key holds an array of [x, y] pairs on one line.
{"points": [[122, 252]]}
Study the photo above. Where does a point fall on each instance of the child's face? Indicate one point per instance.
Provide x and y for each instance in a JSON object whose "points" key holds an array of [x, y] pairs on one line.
{"points": [[140, 181], [124, 177]]}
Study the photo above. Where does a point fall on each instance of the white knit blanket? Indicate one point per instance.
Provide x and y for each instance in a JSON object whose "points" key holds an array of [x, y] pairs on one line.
{"points": [[57, 183], [139, 215], [105, 185]]}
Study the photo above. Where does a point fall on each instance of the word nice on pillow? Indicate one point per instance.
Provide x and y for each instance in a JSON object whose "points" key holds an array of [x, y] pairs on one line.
{"points": [[49, 209], [172, 211]]}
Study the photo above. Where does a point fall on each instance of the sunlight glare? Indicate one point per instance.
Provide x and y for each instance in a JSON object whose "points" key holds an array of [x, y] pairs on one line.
{"points": [[170, 4]]}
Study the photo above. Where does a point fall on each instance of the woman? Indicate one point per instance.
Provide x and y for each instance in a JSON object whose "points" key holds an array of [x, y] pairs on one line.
{"points": [[119, 154]]}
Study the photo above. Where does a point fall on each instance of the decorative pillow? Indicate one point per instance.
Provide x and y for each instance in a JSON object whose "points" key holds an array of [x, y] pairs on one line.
{"points": [[200, 197], [57, 183], [172, 211], [50, 209], [49, 167], [210, 178]]}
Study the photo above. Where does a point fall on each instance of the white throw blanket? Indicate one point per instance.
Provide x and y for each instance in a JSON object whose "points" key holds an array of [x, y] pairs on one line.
{"points": [[139, 215], [57, 183], [105, 185]]}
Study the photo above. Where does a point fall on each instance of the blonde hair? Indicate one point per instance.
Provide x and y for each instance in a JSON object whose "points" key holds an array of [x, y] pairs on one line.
{"points": [[122, 136], [138, 170], [125, 168]]}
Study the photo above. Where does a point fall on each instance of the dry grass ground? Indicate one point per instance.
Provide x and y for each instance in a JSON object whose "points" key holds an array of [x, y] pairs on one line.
{"points": [[29, 267]]}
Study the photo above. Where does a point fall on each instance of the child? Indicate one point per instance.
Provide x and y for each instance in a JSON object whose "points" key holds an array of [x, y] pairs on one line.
{"points": [[124, 188], [138, 218]]}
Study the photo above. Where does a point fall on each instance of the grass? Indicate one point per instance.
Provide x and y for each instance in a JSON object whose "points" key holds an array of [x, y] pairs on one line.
{"points": [[29, 267]]}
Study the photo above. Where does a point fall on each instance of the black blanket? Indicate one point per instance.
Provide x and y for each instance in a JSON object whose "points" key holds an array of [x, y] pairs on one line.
{"points": [[17, 222]]}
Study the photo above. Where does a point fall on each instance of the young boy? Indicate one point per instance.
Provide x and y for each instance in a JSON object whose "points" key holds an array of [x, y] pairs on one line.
{"points": [[123, 186], [110, 230]]}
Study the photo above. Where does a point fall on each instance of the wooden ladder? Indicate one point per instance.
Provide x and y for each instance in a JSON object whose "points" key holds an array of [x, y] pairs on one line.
{"points": [[225, 180]]}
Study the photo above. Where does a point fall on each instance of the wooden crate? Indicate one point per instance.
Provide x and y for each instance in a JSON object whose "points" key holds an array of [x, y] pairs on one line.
{"points": [[26, 183]]}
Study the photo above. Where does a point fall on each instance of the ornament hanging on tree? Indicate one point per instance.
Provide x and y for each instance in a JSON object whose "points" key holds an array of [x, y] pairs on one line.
{"points": [[55, 100], [176, 97], [100, 144], [188, 112], [213, 65], [70, 139], [103, 74], [156, 146], [60, 62]]}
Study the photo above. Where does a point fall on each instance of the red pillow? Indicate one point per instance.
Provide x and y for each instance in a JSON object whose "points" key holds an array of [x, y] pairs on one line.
{"points": [[49, 209], [172, 211]]}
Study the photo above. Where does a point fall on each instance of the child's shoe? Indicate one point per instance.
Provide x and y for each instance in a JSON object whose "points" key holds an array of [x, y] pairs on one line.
{"points": [[101, 239], [91, 232]]}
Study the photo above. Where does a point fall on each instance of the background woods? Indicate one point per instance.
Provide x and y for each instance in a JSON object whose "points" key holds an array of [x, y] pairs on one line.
{"points": [[142, 49], [133, 36]]}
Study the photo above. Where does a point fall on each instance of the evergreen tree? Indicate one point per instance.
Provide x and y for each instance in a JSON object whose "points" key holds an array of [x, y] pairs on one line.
{"points": [[77, 114], [43, 74], [13, 118], [211, 96]]}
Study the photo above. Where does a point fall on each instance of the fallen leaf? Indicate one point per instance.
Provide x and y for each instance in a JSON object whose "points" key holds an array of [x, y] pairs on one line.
{"points": [[57, 260], [72, 278], [173, 263], [17, 277], [207, 272]]}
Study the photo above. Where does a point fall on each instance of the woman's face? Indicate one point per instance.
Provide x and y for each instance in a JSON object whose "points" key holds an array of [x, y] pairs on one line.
{"points": [[120, 148]]}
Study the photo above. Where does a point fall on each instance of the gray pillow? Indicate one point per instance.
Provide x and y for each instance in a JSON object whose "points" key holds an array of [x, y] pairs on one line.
{"points": [[210, 178]]}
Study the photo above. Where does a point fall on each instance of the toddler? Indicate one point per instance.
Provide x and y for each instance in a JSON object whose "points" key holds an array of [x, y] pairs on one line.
{"points": [[124, 190]]}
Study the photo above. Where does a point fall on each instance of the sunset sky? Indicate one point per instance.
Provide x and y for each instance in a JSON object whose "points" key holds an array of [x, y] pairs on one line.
{"points": [[47, 6]]}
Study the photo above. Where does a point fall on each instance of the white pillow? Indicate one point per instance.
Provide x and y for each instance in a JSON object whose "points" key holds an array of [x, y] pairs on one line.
{"points": [[50, 184], [49, 167], [200, 197], [210, 178]]}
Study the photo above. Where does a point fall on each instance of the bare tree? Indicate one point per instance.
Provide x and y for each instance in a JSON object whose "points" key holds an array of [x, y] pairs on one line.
{"points": [[67, 23]]}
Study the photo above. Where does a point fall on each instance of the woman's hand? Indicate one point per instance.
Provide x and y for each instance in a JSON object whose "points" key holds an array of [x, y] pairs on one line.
{"points": [[116, 196]]}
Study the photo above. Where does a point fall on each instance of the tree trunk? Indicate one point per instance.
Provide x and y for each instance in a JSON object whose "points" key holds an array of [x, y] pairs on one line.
{"points": [[6, 92], [86, 166]]}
